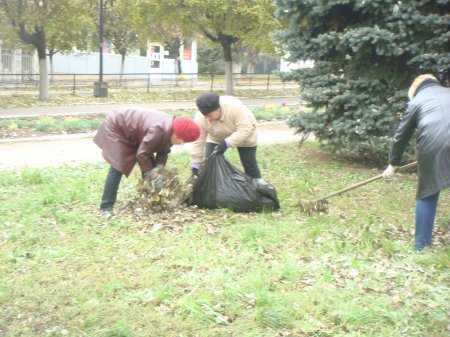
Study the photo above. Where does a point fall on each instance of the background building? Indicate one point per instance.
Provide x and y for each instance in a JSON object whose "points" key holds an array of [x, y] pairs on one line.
{"points": [[17, 65]]}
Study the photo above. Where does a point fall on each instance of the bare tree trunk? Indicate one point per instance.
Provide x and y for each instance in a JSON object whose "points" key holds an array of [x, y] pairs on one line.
{"points": [[38, 40], [226, 41], [251, 68], [122, 67], [43, 74], [43, 80], [226, 46], [178, 65], [174, 49], [229, 77], [50, 57]]}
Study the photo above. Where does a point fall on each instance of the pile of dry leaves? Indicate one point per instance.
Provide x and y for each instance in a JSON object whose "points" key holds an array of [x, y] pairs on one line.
{"points": [[169, 195], [165, 207]]}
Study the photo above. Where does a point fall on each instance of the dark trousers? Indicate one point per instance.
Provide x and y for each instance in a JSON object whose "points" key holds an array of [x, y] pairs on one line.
{"points": [[247, 156], [425, 213], [111, 187]]}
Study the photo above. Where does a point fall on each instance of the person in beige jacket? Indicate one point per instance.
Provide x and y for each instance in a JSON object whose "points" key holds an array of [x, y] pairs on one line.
{"points": [[225, 122]]}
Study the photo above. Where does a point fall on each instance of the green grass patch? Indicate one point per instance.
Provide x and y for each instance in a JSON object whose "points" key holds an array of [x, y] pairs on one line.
{"points": [[43, 125], [67, 271], [272, 112]]}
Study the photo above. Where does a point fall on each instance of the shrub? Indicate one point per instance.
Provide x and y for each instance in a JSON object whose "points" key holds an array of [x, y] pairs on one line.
{"points": [[272, 112], [72, 124], [46, 124]]}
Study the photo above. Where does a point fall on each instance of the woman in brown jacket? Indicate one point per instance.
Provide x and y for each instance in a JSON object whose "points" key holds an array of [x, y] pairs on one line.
{"points": [[135, 135]]}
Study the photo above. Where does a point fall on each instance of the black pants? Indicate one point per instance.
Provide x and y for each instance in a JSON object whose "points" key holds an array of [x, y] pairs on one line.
{"points": [[247, 156], [111, 187]]}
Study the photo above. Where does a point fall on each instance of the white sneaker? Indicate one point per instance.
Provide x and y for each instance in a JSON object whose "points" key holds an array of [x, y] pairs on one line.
{"points": [[106, 213], [260, 181]]}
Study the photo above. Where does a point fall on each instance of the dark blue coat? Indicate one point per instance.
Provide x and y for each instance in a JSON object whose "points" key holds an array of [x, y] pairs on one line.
{"points": [[428, 113]]}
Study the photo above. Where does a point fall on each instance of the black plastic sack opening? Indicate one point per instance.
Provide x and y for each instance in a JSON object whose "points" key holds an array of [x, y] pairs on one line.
{"points": [[221, 185]]}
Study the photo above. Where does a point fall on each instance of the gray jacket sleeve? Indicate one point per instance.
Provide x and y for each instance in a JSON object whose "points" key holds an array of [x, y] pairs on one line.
{"points": [[403, 134]]}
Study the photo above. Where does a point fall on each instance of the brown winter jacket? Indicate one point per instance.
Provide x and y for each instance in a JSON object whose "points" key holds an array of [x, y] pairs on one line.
{"points": [[130, 135], [237, 126]]}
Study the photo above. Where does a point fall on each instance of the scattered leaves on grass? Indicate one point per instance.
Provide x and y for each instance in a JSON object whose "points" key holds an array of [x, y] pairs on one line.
{"points": [[351, 271]]}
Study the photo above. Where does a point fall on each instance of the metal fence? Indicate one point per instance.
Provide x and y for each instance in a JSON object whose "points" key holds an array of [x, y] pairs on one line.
{"points": [[79, 84], [12, 61]]}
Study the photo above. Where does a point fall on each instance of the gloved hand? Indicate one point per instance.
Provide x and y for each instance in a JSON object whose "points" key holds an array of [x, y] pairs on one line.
{"points": [[221, 148], [192, 180], [154, 177], [389, 171]]}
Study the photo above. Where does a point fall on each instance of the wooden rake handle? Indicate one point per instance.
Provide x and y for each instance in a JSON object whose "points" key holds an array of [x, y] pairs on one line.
{"points": [[365, 182]]}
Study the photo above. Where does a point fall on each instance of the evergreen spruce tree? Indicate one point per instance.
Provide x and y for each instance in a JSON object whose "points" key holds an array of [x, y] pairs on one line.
{"points": [[366, 54]]}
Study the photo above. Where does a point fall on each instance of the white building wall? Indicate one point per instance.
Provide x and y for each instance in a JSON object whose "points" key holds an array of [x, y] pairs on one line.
{"points": [[189, 66], [88, 63], [13, 62]]}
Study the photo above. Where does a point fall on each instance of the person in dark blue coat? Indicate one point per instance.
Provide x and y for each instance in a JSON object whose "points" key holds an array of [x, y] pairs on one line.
{"points": [[428, 113]]}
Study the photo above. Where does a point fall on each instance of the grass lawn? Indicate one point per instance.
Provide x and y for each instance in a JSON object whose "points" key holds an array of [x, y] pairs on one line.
{"points": [[66, 271]]}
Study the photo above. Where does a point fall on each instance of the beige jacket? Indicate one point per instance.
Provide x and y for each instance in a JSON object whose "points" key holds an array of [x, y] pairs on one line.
{"points": [[237, 126]]}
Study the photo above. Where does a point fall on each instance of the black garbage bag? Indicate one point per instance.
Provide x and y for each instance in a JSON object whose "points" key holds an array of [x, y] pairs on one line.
{"points": [[221, 185]]}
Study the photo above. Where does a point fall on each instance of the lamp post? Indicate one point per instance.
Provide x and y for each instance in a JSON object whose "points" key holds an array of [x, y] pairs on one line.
{"points": [[101, 87]]}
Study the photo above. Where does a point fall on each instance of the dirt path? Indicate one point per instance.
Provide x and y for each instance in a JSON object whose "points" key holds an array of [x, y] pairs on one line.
{"points": [[76, 149]]}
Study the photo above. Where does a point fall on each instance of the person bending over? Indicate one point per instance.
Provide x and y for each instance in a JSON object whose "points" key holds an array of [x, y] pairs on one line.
{"points": [[138, 135]]}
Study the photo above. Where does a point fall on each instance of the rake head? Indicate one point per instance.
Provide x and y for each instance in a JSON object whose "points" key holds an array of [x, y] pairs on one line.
{"points": [[316, 206]]}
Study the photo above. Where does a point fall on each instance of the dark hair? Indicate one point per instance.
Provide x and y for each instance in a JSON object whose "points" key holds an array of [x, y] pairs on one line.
{"points": [[208, 102]]}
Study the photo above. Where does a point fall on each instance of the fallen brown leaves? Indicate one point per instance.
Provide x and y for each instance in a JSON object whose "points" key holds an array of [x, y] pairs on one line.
{"points": [[170, 195], [167, 208]]}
